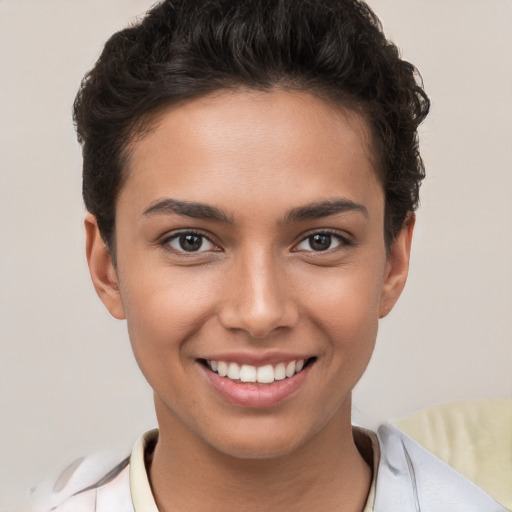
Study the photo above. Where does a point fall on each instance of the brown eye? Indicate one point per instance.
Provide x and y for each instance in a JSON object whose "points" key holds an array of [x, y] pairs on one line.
{"points": [[190, 242], [319, 242]]}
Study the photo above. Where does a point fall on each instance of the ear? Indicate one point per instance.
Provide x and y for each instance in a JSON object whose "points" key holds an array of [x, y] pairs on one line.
{"points": [[101, 268], [397, 267]]}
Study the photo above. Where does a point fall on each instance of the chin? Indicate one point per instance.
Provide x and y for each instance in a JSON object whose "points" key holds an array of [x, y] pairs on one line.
{"points": [[261, 438], [259, 447]]}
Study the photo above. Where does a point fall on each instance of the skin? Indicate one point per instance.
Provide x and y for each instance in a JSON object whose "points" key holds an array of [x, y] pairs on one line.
{"points": [[255, 288]]}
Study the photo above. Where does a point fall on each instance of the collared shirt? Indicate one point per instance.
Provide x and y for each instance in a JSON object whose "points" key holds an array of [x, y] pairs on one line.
{"points": [[142, 496], [406, 478]]}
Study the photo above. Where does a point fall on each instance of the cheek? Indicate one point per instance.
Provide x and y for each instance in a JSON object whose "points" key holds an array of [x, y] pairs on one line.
{"points": [[161, 320], [346, 297], [163, 310], [346, 309]]}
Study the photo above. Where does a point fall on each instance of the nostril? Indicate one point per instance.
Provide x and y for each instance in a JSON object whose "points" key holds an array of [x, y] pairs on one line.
{"points": [[257, 299], [258, 320]]}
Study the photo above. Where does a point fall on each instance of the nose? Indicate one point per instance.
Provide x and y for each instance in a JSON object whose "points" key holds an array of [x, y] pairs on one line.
{"points": [[257, 297]]}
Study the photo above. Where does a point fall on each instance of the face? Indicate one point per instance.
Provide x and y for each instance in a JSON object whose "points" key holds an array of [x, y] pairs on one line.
{"points": [[251, 267]]}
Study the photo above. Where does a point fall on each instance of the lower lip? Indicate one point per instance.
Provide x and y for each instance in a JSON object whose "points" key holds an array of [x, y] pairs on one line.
{"points": [[256, 395]]}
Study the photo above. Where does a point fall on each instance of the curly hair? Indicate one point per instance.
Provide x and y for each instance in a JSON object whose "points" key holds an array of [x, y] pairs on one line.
{"points": [[181, 49]]}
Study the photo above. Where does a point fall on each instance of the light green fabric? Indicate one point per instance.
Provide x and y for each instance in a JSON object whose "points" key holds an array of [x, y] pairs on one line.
{"points": [[474, 437]]}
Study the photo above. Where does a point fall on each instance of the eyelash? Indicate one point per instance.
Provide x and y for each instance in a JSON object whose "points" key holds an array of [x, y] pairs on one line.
{"points": [[343, 241], [166, 242]]}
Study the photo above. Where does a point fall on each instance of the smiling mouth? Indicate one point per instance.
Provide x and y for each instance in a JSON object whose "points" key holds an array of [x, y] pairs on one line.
{"points": [[266, 374]]}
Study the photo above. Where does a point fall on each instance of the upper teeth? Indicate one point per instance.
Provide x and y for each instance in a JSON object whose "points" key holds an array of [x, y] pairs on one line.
{"points": [[262, 374]]}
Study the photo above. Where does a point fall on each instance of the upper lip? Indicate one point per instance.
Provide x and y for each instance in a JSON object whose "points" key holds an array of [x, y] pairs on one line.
{"points": [[257, 359]]}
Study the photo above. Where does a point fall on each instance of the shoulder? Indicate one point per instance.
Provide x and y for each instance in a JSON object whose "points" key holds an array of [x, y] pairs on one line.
{"points": [[89, 484], [472, 436], [409, 475]]}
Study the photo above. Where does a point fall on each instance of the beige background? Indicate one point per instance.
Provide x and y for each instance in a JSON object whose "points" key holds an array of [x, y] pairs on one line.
{"points": [[69, 384]]}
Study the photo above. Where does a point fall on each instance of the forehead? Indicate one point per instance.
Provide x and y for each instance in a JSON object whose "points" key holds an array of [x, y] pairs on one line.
{"points": [[235, 143]]}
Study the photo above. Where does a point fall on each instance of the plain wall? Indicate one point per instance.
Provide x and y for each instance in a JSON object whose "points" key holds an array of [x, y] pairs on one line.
{"points": [[68, 381]]}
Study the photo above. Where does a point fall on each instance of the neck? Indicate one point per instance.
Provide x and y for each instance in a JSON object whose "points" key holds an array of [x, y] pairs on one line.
{"points": [[325, 473]]}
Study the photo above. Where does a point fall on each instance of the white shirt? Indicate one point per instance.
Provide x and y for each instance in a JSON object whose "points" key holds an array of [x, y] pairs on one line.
{"points": [[406, 478]]}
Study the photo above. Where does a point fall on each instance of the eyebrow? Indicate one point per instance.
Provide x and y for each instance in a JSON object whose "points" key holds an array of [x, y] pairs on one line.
{"points": [[322, 209], [197, 210], [187, 208]]}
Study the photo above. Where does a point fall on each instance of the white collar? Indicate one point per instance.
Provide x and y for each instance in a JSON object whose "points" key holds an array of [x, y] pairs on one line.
{"points": [[408, 478], [411, 479]]}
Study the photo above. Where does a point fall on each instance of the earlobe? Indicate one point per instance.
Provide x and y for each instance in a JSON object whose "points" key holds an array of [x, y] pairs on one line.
{"points": [[101, 268], [397, 267]]}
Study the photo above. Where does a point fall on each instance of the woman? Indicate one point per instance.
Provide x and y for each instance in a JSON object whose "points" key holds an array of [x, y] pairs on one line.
{"points": [[251, 171]]}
